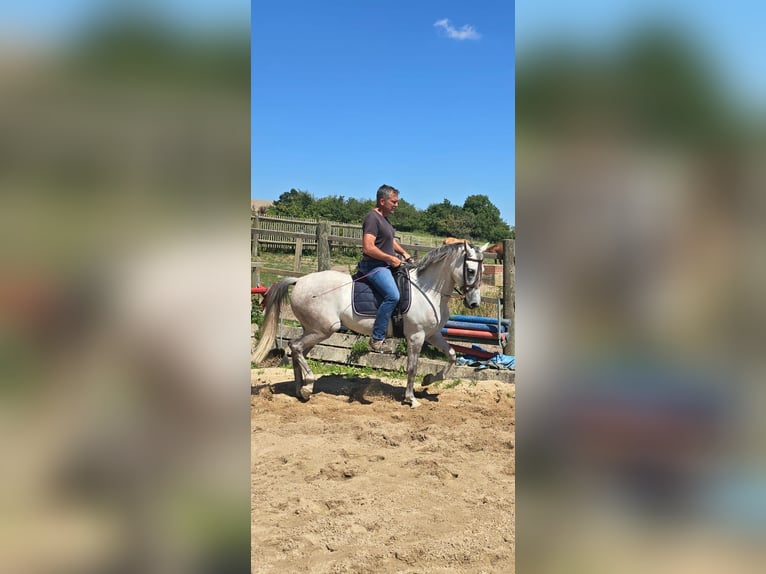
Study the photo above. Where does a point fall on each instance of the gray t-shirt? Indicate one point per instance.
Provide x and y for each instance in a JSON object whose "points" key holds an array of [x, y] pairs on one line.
{"points": [[379, 226]]}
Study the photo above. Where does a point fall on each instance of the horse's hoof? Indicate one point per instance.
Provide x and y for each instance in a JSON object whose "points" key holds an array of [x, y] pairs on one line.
{"points": [[305, 392], [427, 380], [414, 403]]}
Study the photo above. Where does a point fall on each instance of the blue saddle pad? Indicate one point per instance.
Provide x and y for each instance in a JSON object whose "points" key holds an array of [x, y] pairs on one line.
{"points": [[366, 300]]}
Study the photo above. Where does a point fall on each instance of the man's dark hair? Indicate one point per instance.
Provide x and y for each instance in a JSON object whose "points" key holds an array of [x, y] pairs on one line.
{"points": [[385, 191]]}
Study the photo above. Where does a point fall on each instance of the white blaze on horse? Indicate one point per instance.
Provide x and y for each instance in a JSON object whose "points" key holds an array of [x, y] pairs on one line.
{"points": [[321, 301]]}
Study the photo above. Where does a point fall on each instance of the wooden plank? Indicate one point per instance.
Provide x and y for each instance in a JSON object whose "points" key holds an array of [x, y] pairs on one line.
{"points": [[351, 241], [286, 219], [335, 340], [426, 366], [290, 235], [337, 349]]}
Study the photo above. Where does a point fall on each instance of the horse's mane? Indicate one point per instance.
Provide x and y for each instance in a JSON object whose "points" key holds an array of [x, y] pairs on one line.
{"points": [[438, 255]]}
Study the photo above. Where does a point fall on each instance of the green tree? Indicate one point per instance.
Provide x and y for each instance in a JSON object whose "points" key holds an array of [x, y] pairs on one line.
{"points": [[487, 224], [447, 219], [293, 203], [330, 208], [435, 215], [407, 217], [356, 209], [459, 223], [478, 219]]}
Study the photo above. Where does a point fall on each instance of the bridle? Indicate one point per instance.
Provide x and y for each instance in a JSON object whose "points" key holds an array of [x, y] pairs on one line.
{"points": [[477, 279]]}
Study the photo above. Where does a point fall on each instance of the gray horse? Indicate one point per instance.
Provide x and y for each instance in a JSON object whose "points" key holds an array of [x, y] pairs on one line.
{"points": [[321, 301]]}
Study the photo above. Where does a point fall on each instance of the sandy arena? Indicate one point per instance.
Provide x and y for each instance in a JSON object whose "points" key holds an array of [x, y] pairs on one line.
{"points": [[353, 481]]}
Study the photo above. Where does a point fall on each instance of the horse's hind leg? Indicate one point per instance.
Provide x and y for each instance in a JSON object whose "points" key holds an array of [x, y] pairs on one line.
{"points": [[304, 376], [437, 340]]}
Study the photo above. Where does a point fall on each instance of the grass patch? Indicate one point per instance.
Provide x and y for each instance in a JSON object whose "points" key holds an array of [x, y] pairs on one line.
{"points": [[360, 347], [256, 313], [320, 368], [447, 384], [485, 309]]}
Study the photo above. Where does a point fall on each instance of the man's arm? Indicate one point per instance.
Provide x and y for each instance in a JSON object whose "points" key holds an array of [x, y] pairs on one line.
{"points": [[369, 249], [401, 250]]}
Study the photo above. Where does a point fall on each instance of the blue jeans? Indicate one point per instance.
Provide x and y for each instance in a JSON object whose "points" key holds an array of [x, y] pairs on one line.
{"points": [[383, 281]]}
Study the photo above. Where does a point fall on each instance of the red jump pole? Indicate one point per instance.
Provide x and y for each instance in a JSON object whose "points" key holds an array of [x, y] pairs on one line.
{"points": [[472, 334]]}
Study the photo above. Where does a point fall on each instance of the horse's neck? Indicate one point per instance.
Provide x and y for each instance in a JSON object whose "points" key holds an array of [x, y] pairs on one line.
{"points": [[436, 281]]}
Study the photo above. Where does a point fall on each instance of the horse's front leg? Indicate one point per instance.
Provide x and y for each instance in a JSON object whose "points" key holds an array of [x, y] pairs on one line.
{"points": [[414, 345], [437, 340]]}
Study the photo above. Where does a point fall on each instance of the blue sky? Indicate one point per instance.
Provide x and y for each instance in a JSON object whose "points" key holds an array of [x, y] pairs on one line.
{"points": [[350, 94]]}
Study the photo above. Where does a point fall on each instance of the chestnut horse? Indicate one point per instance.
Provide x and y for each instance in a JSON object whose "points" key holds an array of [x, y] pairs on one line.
{"points": [[497, 248]]}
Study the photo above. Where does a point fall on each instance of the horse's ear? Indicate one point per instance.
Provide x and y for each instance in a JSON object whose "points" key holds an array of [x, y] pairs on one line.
{"points": [[484, 247]]}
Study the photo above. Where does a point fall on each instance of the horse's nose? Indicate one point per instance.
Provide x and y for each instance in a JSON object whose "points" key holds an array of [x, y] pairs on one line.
{"points": [[472, 305]]}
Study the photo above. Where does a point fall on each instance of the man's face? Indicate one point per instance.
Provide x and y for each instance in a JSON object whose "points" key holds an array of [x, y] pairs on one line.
{"points": [[388, 206]]}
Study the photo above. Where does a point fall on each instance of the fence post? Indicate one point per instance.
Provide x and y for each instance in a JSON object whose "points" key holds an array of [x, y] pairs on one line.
{"points": [[254, 226], [323, 246], [298, 253], [509, 291]]}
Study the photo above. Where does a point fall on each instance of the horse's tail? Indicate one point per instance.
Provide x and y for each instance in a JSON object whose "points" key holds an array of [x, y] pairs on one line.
{"points": [[275, 297]]}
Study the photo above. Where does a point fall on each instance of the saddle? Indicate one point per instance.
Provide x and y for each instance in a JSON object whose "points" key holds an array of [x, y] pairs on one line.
{"points": [[365, 300]]}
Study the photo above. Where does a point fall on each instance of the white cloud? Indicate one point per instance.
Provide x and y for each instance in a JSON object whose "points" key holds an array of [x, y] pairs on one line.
{"points": [[466, 32]]}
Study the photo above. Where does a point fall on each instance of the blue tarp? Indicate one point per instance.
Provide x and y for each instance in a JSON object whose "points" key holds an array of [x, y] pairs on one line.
{"points": [[497, 361]]}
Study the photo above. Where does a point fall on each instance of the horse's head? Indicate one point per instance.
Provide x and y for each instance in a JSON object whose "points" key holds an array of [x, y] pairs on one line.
{"points": [[468, 275]]}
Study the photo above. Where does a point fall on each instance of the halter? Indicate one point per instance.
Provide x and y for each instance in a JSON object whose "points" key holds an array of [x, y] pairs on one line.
{"points": [[477, 279]]}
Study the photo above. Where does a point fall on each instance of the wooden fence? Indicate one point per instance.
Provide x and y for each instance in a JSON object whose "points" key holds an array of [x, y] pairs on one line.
{"points": [[269, 227], [268, 233]]}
